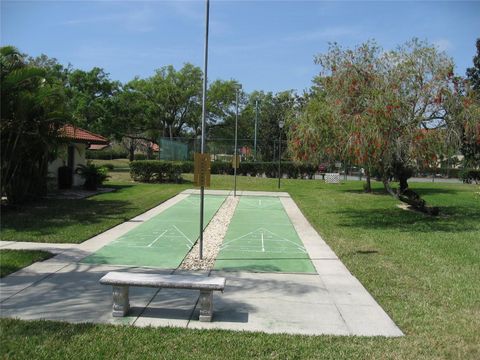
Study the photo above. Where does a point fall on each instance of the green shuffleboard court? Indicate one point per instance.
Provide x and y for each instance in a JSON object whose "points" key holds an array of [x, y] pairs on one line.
{"points": [[164, 240], [262, 238]]}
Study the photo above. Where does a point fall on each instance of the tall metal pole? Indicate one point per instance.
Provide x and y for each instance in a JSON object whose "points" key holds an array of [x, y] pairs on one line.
{"points": [[279, 155], [204, 112], [280, 125], [256, 121], [235, 150]]}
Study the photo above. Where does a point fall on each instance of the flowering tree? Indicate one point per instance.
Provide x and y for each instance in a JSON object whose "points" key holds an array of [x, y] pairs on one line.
{"points": [[384, 111]]}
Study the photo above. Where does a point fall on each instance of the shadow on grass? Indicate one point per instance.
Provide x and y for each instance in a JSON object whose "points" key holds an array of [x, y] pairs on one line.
{"points": [[52, 215], [362, 192], [118, 187], [455, 219], [420, 191]]}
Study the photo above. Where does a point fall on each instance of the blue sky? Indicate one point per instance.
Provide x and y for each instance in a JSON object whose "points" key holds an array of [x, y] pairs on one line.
{"points": [[266, 45]]}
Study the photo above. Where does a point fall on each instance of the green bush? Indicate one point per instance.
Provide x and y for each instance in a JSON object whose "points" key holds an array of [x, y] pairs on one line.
{"points": [[107, 154], [94, 175], [140, 157], [470, 175], [108, 166], [221, 167], [186, 166], [157, 171], [452, 173]]}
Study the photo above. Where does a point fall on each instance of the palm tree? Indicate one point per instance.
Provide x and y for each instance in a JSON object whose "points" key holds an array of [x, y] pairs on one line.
{"points": [[32, 110]]}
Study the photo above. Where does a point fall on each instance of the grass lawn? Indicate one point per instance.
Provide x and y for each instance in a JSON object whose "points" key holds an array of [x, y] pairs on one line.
{"points": [[423, 271], [14, 260], [117, 163], [74, 221]]}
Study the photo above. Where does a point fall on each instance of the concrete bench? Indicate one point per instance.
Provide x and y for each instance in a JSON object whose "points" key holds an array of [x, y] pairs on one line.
{"points": [[122, 280]]}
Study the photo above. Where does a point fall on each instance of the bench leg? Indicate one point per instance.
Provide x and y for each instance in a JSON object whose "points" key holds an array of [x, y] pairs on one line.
{"points": [[206, 305], [121, 304]]}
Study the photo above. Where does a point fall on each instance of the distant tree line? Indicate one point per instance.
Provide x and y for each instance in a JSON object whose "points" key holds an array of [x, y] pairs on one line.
{"points": [[384, 111]]}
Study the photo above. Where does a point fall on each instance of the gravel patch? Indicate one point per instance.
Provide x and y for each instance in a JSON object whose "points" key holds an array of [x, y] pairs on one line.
{"points": [[212, 238]]}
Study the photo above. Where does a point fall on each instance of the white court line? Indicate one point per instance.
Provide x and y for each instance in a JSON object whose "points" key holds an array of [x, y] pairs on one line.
{"points": [[298, 246], [256, 251], [241, 237], [185, 236], [158, 237], [263, 246]]}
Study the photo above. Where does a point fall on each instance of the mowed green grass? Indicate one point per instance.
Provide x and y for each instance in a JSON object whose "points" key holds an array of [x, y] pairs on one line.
{"points": [[117, 163], [14, 260], [423, 271], [74, 221]]}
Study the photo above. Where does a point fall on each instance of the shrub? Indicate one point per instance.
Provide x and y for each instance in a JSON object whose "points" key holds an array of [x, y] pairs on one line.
{"points": [[108, 166], [107, 154], [221, 167], [160, 171], [140, 157], [93, 175], [157, 171], [470, 175], [186, 166]]}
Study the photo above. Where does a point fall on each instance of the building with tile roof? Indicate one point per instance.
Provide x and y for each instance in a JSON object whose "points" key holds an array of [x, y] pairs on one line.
{"points": [[72, 154]]}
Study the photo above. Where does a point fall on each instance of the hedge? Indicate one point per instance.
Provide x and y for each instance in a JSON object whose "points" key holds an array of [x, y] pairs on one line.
{"points": [[107, 154], [451, 172], [156, 171], [470, 175], [167, 171]]}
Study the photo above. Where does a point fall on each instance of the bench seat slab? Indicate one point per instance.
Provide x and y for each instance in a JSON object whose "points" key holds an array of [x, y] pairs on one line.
{"points": [[167, 281]]}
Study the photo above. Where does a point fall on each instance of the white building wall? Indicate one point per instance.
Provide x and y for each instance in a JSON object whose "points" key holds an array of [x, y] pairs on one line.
{"points": [[62, 159]]}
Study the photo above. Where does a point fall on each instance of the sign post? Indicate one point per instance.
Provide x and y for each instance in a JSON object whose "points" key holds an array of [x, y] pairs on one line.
{"points": [[202, 170]]}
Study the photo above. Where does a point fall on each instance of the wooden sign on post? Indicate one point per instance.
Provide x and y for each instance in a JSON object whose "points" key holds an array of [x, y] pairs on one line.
{"points": [[201, 175], [236, 162]]}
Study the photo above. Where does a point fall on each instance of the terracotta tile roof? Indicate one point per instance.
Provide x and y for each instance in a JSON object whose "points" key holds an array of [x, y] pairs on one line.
{"points": [[81, 135], [154, 147], [97, 147]]}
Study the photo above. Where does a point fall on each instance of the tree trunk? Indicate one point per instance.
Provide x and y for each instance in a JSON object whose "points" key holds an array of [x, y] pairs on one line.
{"points": [[368, 185], [386, 185], [131, 151], [403, 183]]}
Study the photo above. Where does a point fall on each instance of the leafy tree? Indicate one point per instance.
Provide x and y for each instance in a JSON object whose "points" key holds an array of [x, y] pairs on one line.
{"points": [[345, 119], [473, 73], [129, 122], [174, 99], [32, 111], [471, 138], [384, 111], [90, 98]]}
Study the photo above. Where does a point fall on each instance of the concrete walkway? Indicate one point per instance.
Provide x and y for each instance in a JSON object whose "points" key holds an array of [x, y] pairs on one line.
{"points": [[330, 302]]}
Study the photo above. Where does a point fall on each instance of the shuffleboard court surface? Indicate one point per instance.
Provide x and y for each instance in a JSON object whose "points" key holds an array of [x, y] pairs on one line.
{"points": [[164, 240], [262, 238]]}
